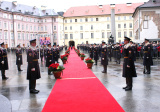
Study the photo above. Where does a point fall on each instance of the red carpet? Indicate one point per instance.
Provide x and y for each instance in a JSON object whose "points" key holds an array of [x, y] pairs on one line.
{"points": [[80, 91]]}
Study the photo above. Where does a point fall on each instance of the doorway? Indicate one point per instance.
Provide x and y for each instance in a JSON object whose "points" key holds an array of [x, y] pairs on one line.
{"points": [[71, 43]]}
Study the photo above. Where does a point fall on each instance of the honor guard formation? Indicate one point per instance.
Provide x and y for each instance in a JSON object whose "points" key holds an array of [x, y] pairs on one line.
{"points": [[128, 50]]}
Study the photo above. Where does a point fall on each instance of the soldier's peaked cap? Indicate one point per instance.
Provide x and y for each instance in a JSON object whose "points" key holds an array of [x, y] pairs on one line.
{"points": [[127, 38], [33, 40], [2, 43], [18, 45], [103, 42], [49, 44], [146, 39]]}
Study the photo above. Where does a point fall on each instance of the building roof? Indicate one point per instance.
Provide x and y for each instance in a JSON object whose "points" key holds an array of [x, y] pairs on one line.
{"points": [[27, 10], [149, 4], [100, 10]]}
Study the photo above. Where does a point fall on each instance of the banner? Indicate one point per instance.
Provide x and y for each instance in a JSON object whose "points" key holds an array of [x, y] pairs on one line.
{"points": [[44, 40]]}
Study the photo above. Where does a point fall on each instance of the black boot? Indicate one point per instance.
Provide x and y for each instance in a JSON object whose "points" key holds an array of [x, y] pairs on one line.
{"points": [[129, 87], [144, 71], [105, 69], [19, 68], [148, 69], [49, 73], [126, 84], [3, 75], [32, 85]]}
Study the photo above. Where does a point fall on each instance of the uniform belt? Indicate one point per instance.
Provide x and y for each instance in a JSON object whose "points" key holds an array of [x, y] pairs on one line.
{"points": [[102, 52], [20, 54], [50, 54], [117, 50], [125, 57], [145, 51], [5, 56], [35, 60]]}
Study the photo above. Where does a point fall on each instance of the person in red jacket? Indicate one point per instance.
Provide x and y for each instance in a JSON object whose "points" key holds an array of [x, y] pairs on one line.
{"points": [[139, 50], [158, 48]]}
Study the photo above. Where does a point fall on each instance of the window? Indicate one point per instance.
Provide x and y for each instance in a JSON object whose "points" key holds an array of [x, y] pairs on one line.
{"points": [[103, 35], [70, 27], [130, 25], [91, 27], [54, 19], [80, 20], [130, 33], [66, 36], [5, 35], [119, 34], [41, 28], [55, 36], [108, 26], [19, 26], [19, 36], [125, 33], [145, 24], [65, 28], [81, 27], [45, 28], [34, 20], [35, 28], [86, 19], [31, 36], [22, 27], [5, 25], [38, 28], [119, 17], [124, 17], [12, 36], [130, 17], [31, 28], [65, 21], [70, 20], [0, 24], [71, 36], [92, 35], [45, 20], [91, 19], [75, 20], [108, 34], [119, 25], [81, 35], [108, 18], [26, 27], [11, 26], [0, 35], [124, 25], [27, 36], [23, 36], [96, 19]]}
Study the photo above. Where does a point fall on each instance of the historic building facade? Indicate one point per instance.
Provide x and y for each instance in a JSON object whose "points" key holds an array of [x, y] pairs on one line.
{"points": [[20, 23], [92, 24], [146, 21]]}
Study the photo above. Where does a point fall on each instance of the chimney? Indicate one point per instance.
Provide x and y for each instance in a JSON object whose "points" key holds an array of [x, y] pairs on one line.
{"points": [[15, 3], [112, 5], [129, 4], [100, 6], [43, 8], [154, 1]]}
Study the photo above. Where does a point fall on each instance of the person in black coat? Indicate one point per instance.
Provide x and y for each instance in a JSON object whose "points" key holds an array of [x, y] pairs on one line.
{"points": [[41, 53], [91, 51], [95, 53], [104, 57], [110, 52], [147, 60], [49, 57], [129, 70], [33, 70], [3, 61], [19, 60]]}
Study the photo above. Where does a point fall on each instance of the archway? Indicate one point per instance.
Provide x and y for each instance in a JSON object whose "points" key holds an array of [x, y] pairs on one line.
{"points": [[71, 43]]}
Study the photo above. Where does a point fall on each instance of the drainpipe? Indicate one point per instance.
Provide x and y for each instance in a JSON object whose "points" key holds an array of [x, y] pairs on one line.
{"points": [[13, 29], [52, 31], [139, 25]]}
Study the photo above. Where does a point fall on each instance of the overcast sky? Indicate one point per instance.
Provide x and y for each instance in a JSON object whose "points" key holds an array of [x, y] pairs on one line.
{"points": [[62, 5]]}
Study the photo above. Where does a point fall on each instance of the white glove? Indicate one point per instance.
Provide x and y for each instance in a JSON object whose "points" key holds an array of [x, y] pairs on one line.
{"points": [[147, 57], [19, 59], [50, 60], [33, 69], [102, 58], [128, 66], [2, 62]]}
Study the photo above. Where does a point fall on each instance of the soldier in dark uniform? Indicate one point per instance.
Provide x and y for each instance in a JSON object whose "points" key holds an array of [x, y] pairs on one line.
{"points": [[49, 57], [33, 70], [95, 52], [37, 51], [117, 53], [41, 53], [104, 57], [19, 60], [147, 60], [3, 61], [129, 70], [66, 47], [91, 51], [134, 50], [110, 52]]}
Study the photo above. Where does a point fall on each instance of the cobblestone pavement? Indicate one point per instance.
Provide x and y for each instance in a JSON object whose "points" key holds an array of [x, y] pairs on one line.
{"points": [[143, 98]]}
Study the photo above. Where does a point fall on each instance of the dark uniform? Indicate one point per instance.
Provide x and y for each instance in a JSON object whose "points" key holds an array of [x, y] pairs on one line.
{"points": [[41, 53], [91, 52], [37, 52], [117, 54], [147, 60], [95, 50], [49, 59], [33, 70], [128, 65], [110, 52], [3, 61], [104, 57], [19, 60]]}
